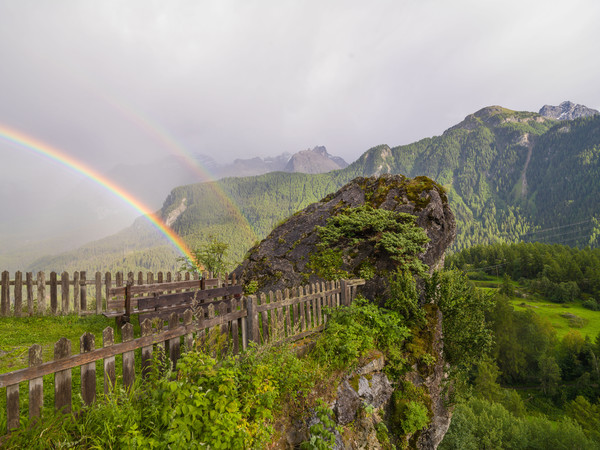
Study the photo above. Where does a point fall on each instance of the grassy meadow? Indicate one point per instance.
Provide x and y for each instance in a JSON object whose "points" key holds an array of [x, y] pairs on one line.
{"points": [[564, 317]]}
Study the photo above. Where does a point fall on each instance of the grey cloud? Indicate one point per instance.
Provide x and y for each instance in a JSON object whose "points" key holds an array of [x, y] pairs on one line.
{"points": [[99, 80]]}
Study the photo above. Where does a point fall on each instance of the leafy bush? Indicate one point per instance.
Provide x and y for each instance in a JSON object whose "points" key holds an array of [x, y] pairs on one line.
{"points": [[392, 232], [322, 436], [592, 304], [211, 256], [404, 298], [410, 408], [467, 336], [354, 330], [327, 264]]}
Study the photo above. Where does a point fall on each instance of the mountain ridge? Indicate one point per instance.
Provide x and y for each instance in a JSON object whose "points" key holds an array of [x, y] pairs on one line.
{"points": [[497, 165]]}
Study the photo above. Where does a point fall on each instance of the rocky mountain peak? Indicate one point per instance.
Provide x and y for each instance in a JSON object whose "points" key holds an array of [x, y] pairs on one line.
{"points": [[317, 160], [567, 111]]}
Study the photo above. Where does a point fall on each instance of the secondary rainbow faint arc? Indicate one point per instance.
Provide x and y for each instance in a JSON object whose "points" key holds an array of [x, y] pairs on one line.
{"points": [[41, 148], [153, 129]]}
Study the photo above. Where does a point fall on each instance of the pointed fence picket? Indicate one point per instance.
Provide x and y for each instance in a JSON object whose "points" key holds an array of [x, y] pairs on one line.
{"points": [[228, 325]]}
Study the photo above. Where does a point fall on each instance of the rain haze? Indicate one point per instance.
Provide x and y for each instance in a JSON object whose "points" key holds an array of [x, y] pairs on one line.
{"points": [[122, 83]]}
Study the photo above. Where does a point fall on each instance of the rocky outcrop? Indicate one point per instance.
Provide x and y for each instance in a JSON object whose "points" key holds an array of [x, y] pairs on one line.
{"points": [[282, 259], [362, 400], [316, 160], [567, 111]]}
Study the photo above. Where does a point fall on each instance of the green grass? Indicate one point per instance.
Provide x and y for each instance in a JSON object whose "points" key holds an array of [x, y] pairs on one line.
{"points": [[588, 323], [555, 312], [17, 334]]}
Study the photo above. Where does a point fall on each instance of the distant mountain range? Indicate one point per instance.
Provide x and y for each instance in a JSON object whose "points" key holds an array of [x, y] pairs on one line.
{"points": [[567, 111], [510, 175], [86, 213]]}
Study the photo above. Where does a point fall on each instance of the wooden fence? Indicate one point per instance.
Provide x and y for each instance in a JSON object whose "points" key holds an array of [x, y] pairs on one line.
{"points": [[273, 317], [70, 293]]}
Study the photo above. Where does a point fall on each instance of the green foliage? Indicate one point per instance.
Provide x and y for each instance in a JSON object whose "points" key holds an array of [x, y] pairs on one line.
{"points": [[404, 298], [507, 288], [327, 264], [366, 270], [559, 273], [549, 374], [322, 436], [210, 256], [202, 404], [251, 287], [479, 423], [485, 383], [383, 435], [467, 337], [587, 415], [416, 418], [352, 331], [394, 233], [592, 304], [410, 409]]}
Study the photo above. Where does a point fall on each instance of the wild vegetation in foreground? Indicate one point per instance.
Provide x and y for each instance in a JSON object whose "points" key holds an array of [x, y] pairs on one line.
{"points": [[246, 402]]}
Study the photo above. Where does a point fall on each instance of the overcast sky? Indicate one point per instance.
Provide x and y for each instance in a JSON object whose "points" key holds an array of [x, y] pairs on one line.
{"points": [[100, 79]]}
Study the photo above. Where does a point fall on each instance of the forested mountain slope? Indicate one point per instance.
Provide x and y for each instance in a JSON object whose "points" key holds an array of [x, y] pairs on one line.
{"points": [[509, 176]]}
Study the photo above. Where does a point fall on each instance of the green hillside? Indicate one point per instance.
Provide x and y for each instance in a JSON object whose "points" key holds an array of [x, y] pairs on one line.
{"points": [[509, 175]]}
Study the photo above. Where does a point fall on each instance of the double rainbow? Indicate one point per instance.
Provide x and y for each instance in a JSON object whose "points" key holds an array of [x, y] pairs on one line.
{"points": [[22, 140]]}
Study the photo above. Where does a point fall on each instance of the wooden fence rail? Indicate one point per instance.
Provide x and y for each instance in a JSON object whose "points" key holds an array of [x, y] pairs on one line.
{"points": [[223, 327], [74, 293]]}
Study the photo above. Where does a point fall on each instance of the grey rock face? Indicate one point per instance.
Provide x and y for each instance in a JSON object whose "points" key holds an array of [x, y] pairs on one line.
{"points": [[347, 403], [567, 111], [281, 259]]}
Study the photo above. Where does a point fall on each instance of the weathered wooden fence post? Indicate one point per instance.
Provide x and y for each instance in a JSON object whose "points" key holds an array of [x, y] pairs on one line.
{"points": [[108, 339], [234, 328], [188, 340], [29, 283], [252, 320], [98, 286], [87, 343], [62, 379], [53, 293], [83, 290], [146, 328], [64, 286], [76, 304], [243, 304], [107, 287], [36, 386], [174, 344], [344, 293], [128, 357], [12, 407], [118, 283], [18, 294], [41, 293], [4, 296]]}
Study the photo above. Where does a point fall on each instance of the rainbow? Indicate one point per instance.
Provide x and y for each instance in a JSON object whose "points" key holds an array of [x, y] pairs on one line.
{"points": [[168, 142], [22, 140], [159, 134]]}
